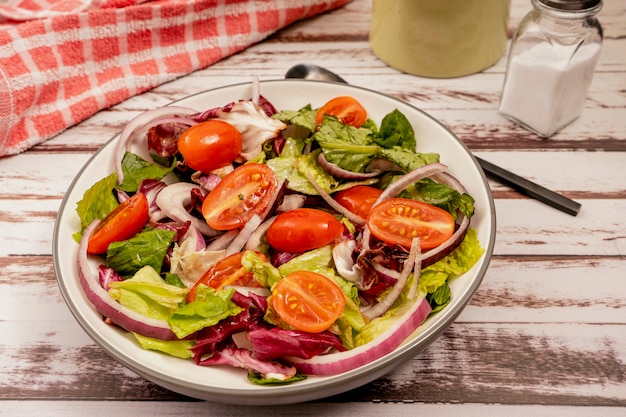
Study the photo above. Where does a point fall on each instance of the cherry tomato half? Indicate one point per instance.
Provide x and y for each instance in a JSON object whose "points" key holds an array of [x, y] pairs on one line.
{"points": [[210, 145], [227, 271], [124, 222], [239, 195], [358, 199], [399, 220], [303, 229], [345, 108], [308, 301]]}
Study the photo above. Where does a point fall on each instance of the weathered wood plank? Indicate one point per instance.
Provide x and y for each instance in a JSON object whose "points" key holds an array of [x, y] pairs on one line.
{"points": [[516, 364], [349, 409]]}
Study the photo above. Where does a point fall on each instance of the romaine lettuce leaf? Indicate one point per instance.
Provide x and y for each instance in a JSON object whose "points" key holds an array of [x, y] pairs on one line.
{"points": [[97, 202], [176, 348], [349, 147], [437, 275], [148, 294], [136, 169], [208, 309], [305, 117], [264, 272], [148, 247], [408, 159]]}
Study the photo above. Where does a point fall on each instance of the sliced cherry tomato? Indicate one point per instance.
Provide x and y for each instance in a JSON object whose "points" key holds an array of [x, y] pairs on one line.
{"points": [[303, 229], [399, 220], [124, 222], [210, 145], [308, 301], [227, 271], [358, 199], [242, 193], [345, 108]]}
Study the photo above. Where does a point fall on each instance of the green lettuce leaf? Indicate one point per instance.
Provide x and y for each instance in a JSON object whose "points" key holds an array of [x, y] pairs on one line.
{"points": [[136, 169], [98, 201], [396, 130], [305, 117], [208, 309], [148, 247], [316, 260], [434, 279], [176, 348], [148, 294], [407, 159], [264, 272], [346, 146], [441, 195]]}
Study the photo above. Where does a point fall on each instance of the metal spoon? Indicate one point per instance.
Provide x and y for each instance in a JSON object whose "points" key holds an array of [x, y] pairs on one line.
{"points": [[524, 186], [313, 72]]}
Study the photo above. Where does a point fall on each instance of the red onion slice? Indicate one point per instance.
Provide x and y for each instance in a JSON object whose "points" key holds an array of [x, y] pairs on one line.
{"points": [[451, 181], [338, 172], [254, 241], [241, 239], [345, 265], [387, 342], [391, 297], [140, 121], [417, 272], [172, 201], [222, 242], [333, 203], [407, 179], [108, 307], [441, 251]]}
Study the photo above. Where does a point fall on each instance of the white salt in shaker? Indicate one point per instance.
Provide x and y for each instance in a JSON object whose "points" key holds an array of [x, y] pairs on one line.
{"points": [[551, 63]]}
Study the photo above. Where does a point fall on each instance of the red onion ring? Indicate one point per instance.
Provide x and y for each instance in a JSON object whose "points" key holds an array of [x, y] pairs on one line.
{"points": [[255, 238], [332, 202], [108, 307], [172, 201], [338, 172], [391, 297], [407, 179], [138, 122], [223, 241], [241, 239], [388, 341]]}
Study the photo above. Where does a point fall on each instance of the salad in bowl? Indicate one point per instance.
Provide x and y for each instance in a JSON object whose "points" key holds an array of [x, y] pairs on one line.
{"points": [[290, 243]]}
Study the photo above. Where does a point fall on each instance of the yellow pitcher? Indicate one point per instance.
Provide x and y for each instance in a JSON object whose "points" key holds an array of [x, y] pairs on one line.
{"points": [[439, 38]]}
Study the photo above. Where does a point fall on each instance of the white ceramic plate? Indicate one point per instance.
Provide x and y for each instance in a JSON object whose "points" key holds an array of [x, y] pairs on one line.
{"points": [[228, 385]]}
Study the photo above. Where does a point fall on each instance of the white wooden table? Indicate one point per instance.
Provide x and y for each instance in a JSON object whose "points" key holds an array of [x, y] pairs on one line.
{"points": [[545, 334]]}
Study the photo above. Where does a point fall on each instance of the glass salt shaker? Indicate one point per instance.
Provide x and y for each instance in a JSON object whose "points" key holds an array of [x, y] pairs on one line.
{"points": [[550, 66]]}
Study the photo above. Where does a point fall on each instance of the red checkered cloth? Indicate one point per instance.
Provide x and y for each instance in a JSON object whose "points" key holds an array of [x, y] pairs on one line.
{"points": [[61, 61]]}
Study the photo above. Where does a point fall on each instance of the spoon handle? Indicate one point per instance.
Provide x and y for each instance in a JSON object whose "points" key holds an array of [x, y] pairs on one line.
{"points": [[530, 188]]}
